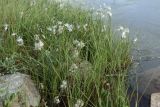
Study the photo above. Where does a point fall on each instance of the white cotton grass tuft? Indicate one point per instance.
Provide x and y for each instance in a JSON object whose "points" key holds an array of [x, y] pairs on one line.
{"points": [[109, 13], [123, 36], [59, 23], [75, 53], [14, 34], [69, 27], [124, 31], [49, 29], [75, 42], [79, 103], [85, 27], [56, 100], [104, 11], [73, 68], [6, 27], [79, 44], [63, 86], [120, 28], [38, 45], [108, 10], [20, 41], [33, 3], [52, 29], [36, 37], [135, 40], [60, 29]]}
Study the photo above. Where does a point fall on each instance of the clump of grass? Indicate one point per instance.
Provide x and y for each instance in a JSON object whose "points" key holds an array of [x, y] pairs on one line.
{"points": [[74, 58]]}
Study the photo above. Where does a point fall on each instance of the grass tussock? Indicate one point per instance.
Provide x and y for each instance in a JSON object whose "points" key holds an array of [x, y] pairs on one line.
{"points": [[74, 58]]}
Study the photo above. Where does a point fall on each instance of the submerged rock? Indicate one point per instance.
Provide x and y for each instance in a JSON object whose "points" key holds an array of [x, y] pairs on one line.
{"points": [[155, 100], [18, 90], [147, 82]]}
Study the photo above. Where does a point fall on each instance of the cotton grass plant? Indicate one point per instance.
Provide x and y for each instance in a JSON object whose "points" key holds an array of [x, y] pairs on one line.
{"points": [[74, 58]]}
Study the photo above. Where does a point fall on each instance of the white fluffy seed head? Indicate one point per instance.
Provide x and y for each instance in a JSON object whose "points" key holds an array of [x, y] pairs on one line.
{"points": [[14, 34], [79, 44], [6, 27], [75, 53], [69, 27], [20, 41], [135, 40], [73, 68], [109, 13], [63, 86], [79, 103], [56, 100], [38, 45], [120, 28]]}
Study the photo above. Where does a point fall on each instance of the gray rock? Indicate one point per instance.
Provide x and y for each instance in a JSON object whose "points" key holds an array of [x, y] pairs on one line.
{"points": [[147, 82], [18, 90]]}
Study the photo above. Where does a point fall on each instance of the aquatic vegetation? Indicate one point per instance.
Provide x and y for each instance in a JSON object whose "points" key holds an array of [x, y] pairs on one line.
{"points": [[75, 59]]}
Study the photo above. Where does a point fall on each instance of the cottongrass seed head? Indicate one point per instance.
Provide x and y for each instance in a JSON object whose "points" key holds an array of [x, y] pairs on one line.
{"points": [[14, 34], [125, 32], [56, 100], [38, 45], [79, 44], [6, 27], [69, 27], [79, 103], [63, 86], [75, 53], [73, 68], [20, 41], [135, 40]]}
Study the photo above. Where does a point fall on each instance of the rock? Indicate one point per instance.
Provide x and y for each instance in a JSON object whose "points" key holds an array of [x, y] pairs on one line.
{"points": [[155, 100], [18, 90], [147, 82]]}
